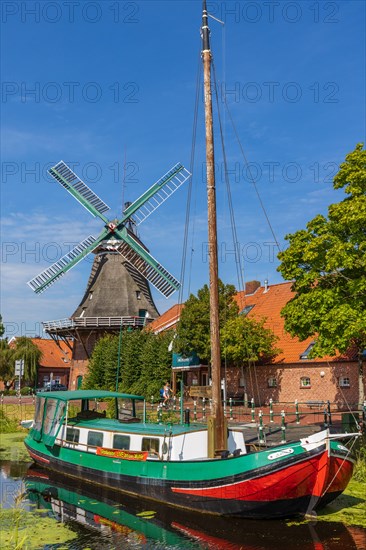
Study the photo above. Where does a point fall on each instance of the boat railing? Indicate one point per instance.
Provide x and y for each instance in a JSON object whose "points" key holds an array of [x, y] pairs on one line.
{"points": [[271, 413]]}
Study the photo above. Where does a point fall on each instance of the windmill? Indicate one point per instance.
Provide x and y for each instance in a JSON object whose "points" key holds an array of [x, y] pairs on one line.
{"points": [[117, 292], [115, 235]]}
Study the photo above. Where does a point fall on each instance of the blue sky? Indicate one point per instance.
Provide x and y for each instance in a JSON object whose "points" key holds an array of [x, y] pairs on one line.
{"points": [[91, 82]]}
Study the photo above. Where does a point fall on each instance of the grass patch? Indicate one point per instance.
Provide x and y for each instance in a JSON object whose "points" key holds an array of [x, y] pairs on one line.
{"points": [[16, 412], [27, 530], [12, 447]]}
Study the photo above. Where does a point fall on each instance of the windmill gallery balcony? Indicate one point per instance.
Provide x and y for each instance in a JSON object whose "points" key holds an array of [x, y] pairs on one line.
{"points": [[68, 325]]}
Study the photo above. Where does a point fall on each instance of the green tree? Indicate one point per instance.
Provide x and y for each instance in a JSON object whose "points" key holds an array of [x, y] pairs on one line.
{"points": [[103, 365], [28, 351], [156, 363], [145, 363], [193, 332], [246, 340], [7, 361], [327, 263], [2, 328]]}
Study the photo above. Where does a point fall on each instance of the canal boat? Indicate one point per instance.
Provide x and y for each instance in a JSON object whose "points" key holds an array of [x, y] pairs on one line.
{"points": [[208, 468], [170, 463]]}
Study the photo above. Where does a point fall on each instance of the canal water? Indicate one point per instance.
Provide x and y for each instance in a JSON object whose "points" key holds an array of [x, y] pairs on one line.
{"points": [[106, 520]]}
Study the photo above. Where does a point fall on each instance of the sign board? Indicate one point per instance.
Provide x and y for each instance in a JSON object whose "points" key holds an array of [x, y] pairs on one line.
{"points": [[19, 367], [201, 391]]}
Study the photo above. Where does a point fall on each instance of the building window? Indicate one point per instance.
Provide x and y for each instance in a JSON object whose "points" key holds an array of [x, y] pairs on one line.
{"points": [[95, 439], [272, 382], [305, 382], [242, 382], [344, 382], [138, 294], [121, 442]]}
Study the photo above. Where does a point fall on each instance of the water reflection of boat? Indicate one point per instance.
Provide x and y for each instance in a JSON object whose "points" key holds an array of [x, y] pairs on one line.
{"points": [[133, 522]]}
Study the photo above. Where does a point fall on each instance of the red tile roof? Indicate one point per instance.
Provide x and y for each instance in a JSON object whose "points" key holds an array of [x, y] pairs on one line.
{"points": [[167, 320], [268, 303], [53, 355]]}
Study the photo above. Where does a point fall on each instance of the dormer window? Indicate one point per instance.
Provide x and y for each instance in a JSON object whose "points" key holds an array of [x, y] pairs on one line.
{"points": [[305, 355], [246, 310]]}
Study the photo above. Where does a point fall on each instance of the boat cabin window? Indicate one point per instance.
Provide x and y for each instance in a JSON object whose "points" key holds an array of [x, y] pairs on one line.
{"points": [[150, 444], [95, 439], [72, 435], [121, 442], [38, 415]]}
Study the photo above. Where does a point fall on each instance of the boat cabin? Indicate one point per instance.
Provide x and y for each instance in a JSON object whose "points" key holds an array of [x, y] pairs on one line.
{"points": [[78, 420]]}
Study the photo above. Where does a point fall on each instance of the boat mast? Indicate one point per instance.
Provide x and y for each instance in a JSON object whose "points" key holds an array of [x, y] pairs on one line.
{"points": [[219, 430]]}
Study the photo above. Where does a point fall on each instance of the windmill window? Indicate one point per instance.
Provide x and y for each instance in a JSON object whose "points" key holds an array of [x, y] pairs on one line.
{"points": [[305, 354], [272, 382], [90, 296], [246, 310], [344, 382], [305, 382], [138, 294]]}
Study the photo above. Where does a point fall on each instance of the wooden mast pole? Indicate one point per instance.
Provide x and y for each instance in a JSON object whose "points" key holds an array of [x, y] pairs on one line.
{"points": [[219, 430]]}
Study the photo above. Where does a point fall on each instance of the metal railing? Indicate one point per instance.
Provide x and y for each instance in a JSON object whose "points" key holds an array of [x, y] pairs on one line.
{"points": [[92, 322]]}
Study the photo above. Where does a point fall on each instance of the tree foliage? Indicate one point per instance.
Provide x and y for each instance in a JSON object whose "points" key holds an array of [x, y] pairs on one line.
{"points": [[145, 363], [7, 361], [243, 339], [194, 327], [2, 328], [327, 262], [246, 340], [27, 350]]}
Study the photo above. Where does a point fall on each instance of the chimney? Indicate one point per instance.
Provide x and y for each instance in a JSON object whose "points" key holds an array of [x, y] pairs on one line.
{"points": [[251, 287], [266, 287]]}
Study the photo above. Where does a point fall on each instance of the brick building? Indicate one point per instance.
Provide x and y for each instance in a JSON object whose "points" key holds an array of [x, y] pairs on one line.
{"points": [[291, 375]]}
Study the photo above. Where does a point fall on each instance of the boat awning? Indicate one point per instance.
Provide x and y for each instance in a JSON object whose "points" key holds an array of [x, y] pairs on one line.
{"points": [[87, 394]]}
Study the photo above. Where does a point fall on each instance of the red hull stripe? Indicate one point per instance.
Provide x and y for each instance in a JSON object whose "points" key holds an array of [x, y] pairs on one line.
{"points": [[38, 458], [299, 480]]}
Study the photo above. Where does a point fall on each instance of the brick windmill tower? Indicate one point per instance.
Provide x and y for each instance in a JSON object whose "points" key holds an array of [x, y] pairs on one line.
{"points": [[117, 294]]}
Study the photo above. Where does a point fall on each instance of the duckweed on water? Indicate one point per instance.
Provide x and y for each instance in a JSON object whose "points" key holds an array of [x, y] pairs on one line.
{"points": [[29, 531], [349, 508]]}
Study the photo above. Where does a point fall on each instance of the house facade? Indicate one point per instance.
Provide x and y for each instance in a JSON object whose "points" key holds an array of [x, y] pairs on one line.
{"points": [[291, 375]]}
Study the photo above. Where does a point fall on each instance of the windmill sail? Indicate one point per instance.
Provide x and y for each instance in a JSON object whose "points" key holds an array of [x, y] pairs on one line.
{"points": [[78, 189], [146, 264], [59, 268], [158, 193]]}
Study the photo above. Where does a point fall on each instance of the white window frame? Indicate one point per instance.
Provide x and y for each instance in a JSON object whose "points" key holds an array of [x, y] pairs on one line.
{"points": [[302, 380], [344, 382]]}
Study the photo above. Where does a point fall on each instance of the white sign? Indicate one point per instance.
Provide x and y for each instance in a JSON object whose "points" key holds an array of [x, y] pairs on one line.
{"points": [[19, 367], [280, 454]]}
